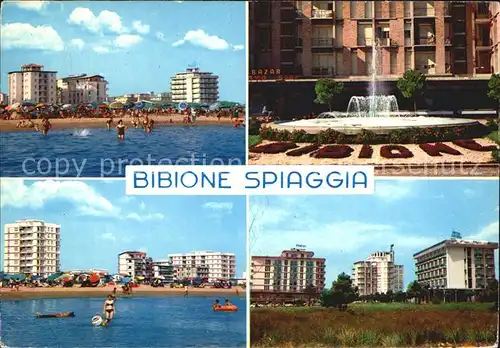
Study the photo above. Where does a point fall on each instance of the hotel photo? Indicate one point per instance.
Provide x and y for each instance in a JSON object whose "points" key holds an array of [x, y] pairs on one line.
{"points": [[414, 265], [84, 265], [90, 87], [412, 87]]}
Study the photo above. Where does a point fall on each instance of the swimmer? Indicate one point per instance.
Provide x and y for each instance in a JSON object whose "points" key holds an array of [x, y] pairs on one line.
{"points": [[109, 308], [227, 303], [46, 126], [149, 126], [120, 128], [185, 291], [109, 123], [216, 304]]}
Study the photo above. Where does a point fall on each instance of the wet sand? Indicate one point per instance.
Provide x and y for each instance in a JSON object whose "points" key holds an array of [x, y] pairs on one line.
{"points": [[81, 123], [141, 291]]}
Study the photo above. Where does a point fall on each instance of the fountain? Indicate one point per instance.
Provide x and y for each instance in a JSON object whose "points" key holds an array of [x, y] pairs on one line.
{"points": [[377, 112]]}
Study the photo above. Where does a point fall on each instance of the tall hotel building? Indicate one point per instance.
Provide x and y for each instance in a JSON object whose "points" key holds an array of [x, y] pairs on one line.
{"points": [[287, 274], [221, 266], [294, 43], [77, 89], [194, 86], [32, 246], [135, 264], [457, 264], [378, 274], [33, 84]]}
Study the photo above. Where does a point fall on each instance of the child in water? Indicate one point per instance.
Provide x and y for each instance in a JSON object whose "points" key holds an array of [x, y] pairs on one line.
{"points": [[120, 128]]}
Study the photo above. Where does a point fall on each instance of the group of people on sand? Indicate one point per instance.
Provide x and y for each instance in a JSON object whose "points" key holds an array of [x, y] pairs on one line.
{"points": [[217, 304]]}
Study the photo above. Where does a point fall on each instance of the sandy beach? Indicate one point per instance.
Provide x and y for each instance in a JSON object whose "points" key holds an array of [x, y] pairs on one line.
{"points": [[141, 291], [81, 123]]}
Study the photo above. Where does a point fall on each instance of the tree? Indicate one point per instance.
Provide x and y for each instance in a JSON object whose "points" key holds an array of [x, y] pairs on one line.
{"points": [[494, 88], [311, 291], [340, 294], [415, 291], [412, 82], [58, 95], [326, 90]]}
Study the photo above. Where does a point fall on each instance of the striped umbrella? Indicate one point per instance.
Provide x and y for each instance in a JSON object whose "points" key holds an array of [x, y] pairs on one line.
{"points": [[116, 105]]}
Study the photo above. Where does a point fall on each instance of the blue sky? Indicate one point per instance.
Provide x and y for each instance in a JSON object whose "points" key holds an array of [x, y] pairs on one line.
{"points": [[411, 214], [98, 221], [136, 46]]}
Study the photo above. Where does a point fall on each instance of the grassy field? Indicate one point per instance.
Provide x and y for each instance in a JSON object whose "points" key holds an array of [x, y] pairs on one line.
{"points": [[375, 325]]}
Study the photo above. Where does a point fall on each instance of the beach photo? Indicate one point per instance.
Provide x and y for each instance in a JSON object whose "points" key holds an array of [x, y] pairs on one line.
{"points": [[414, 265], [84, 265], [411, 87], [90, 87]]}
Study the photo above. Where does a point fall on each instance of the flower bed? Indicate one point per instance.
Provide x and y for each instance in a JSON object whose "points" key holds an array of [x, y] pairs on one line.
{"points": [[395, 151], [471, 144], [303, 150], [333, 151], [366, 151], [436, 149], [273, 148], [412, 135]]}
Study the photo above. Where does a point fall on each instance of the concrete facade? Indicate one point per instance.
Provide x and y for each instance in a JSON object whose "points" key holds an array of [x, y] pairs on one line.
{"points": [[32, 84], [220, 265]]}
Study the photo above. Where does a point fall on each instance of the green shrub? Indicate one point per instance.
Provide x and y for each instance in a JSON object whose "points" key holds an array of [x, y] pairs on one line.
{"points": [[327, 136], [254, 126], [495, 154]]}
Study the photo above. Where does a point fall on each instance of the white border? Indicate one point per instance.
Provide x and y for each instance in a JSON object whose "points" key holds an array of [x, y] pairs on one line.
{"points": [[247, 84]]}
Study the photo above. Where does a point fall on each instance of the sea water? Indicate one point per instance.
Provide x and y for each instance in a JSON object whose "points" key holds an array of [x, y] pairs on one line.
{"points": [[170, 321], [99, 153]]}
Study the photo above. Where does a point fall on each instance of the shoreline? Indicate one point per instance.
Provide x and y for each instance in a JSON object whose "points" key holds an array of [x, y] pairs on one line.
{"points": [[143, 291], [81, 123]]}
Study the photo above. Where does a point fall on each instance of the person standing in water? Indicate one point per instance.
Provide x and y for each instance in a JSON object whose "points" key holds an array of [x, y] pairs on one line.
{"points": [[185, 291], [109, 308], [46, 125], [109, 123], [120, 129]]}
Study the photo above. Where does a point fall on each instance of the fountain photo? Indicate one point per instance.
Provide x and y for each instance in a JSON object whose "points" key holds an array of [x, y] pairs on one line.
{"points": [[380, 83]]}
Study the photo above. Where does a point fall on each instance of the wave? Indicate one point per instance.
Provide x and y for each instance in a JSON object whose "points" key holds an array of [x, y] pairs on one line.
{"points": [[81, 133]]}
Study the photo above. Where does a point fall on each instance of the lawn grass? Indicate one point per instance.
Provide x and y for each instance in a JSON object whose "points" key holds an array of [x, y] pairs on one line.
{"points": [[375, 325], [254, 140]]}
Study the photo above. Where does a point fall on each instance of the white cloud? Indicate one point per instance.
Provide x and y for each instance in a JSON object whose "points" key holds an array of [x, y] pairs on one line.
{"points": [[87, 201], [127, 40], [31, 5], [78, 43], [147, 217], [24, 35], [101, 49], [202, 39], [221, 207], [160, 36], [238, 47], [108, 236], [140, 27], [106, 20], [489, 232], [393, 190]]}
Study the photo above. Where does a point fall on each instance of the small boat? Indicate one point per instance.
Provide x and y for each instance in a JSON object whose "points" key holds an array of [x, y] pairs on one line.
{"points": [[222, 308], [56, 315]]}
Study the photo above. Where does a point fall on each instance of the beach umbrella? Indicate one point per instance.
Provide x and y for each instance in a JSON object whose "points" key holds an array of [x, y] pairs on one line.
{"points": [[125, 280], [102, 106], [40, 105], [35, 277], [64, 276], [28, 103], [140, 105], [66, 106], [94, 278], [16, 277], [54, 276], [13, 106], [116, 105]]}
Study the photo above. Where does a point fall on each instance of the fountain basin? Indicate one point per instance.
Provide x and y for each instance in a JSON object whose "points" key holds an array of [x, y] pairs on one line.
{"points": [[379, 125]]}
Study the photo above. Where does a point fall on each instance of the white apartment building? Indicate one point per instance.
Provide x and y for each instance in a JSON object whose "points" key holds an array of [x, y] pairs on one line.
{"points": [[135, 264], [32, 84], [4, 99], [182, 272], [164, 97], [194, 86], [220, 265], [165, 269], [292, 271], [378, 274], [76, 89], [32, 246], [456, 264]]}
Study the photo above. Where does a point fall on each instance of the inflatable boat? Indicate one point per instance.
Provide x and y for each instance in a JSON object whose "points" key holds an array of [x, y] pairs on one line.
{"points": [[231, 308], [56, 315]]}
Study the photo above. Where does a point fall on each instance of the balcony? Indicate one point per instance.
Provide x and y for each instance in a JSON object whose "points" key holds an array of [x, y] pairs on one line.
{"points": [[424, 12], [319, 71], [322, 14], [426, 41], [322, 42], [365, 41]]}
